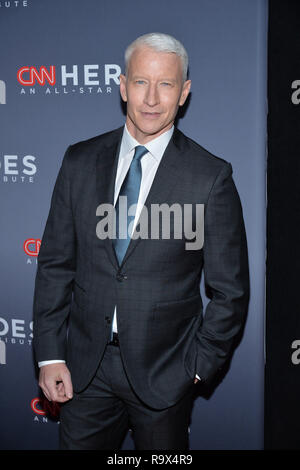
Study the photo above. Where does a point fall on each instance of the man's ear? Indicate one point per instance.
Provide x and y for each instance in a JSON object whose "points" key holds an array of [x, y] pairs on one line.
{"points": [[185, 92], [123, 87]]}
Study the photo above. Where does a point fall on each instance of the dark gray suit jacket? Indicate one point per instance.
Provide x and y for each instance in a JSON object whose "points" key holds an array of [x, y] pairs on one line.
{"points": [[164, 338]]}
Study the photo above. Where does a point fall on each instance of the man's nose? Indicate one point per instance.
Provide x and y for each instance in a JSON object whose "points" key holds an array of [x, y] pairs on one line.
{"points": [[152, 96]]}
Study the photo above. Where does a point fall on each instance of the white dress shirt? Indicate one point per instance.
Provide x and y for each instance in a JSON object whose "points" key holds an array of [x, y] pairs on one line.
{"points": [[150, 163]]}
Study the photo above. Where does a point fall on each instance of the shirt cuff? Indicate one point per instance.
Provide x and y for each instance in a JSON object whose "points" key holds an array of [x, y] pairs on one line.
{"points": [[45, 363]]}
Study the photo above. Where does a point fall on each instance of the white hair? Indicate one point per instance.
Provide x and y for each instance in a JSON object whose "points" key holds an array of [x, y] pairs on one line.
{"points": [[160, 42]]}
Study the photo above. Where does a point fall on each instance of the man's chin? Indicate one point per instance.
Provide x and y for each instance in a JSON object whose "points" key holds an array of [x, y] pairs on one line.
{"points": [[153, 131], [145, 131]]}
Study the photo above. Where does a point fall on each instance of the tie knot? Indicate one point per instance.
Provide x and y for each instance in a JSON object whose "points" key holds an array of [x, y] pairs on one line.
{"points": [[140, 151]]}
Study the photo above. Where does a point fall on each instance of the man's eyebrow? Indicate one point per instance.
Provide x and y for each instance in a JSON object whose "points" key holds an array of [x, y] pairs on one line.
{"points": [[141, 77]]}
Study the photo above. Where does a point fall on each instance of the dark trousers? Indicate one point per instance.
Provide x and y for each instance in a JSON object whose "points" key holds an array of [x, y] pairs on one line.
{"points": [[99, 417]]}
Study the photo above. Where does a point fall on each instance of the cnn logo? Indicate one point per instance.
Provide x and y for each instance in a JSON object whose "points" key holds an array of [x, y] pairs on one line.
{"points": [[30, 75], [31, 246]]}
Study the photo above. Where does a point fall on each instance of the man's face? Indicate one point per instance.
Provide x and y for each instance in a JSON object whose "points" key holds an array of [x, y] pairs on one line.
{"points": [[153, 89]]}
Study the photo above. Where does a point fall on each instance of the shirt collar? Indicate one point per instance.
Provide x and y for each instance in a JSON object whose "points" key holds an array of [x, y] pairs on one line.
{"points": [[156, 146]]}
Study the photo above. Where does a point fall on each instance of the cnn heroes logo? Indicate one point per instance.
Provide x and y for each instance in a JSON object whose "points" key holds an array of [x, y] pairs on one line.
{"points": [[18, 169], [42, 408], [37, 406], [69, 79], [16, 331], [31, 247]]}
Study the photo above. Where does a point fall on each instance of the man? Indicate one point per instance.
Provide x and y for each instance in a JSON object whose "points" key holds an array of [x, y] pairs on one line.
{"points": [[127, 349]]}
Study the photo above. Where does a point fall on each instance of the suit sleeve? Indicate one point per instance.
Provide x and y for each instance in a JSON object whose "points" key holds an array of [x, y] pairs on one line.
{"points": [[226, 275], [55, 273]]}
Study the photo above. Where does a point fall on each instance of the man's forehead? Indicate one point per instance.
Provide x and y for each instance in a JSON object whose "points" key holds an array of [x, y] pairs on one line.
{"points": [[144, 49], [140, 52]]}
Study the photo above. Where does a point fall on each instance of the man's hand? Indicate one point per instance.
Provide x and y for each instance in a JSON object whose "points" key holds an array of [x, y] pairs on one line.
{"points": [[55, 381], [196, 380]]}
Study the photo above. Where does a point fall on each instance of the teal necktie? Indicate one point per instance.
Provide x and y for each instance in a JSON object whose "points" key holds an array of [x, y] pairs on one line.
{"points": [[130, 189]]}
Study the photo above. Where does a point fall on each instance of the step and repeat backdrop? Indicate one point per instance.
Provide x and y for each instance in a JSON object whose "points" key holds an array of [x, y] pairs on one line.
{"points": [[60, 63]]}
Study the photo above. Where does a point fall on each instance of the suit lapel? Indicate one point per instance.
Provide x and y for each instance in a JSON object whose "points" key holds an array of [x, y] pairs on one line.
{"points": [[106, 171], [166, 177]]}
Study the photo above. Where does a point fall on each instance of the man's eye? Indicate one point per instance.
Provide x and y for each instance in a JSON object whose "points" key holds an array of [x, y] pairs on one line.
{"points": [[166, 83], [139, 82]]}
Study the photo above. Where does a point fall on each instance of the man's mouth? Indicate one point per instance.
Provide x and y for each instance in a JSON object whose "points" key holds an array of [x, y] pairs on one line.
{"points": [[148, 115]]}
